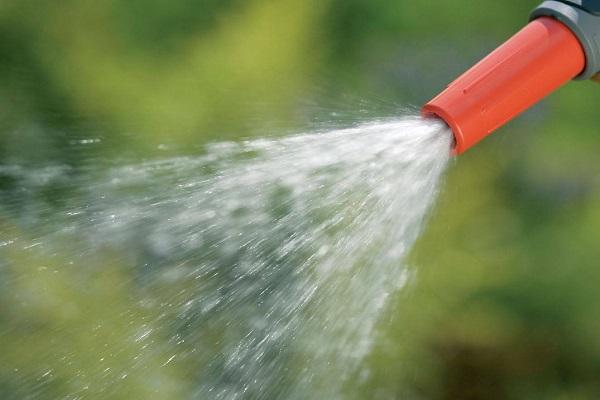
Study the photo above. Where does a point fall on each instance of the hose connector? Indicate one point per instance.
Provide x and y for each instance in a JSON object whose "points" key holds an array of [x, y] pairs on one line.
{"points": [[582, 17]]}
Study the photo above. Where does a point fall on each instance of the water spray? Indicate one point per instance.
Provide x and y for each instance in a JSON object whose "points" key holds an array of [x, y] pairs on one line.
{"points": [[560, 43]]}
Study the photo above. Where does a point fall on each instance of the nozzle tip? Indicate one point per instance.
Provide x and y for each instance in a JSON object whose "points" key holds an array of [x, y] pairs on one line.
{"points": [[433, 111]]}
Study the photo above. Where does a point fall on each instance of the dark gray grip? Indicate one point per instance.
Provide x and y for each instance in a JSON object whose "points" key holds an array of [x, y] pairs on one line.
{"points": [[583, 18], [591, 6]]}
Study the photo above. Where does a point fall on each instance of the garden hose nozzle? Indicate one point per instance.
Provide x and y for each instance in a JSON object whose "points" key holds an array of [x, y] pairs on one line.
{"points": [[560, 43]]}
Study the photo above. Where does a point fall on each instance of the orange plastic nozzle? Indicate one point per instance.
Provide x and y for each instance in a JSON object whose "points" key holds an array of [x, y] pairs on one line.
{"points": [[536, 61]]}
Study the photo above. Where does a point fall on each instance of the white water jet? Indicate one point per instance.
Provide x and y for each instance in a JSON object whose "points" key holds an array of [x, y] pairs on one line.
{"points": [[277, 254]]}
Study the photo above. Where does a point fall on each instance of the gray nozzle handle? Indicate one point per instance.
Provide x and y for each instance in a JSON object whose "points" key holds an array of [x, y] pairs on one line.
{"points": [[583, 18], [591, 6]]}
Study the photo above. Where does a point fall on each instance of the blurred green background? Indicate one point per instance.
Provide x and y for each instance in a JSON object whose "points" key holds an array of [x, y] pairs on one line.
{"points": [[505, 303]]}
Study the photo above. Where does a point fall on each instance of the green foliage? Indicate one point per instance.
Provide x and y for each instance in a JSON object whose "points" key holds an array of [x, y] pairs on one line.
{"points": [[72, 330]]}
